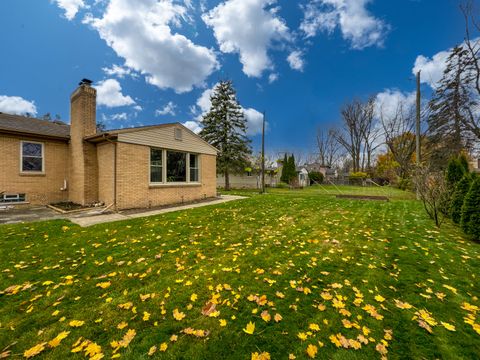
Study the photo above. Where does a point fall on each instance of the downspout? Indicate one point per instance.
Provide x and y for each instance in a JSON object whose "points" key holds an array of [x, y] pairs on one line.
{"points": [[114, 171]]}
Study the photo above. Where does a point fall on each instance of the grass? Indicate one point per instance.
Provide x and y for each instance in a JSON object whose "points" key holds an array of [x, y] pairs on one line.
{"points": [[304, 244]]}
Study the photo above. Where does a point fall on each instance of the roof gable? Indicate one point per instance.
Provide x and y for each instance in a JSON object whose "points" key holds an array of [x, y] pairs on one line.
{"points": [[163, 136]]}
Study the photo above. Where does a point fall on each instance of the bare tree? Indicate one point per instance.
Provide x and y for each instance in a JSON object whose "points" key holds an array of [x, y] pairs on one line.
{"points": [[371, 132], [300, 157], [398, 129], [358, 134], [328, 147], [432, 189]]}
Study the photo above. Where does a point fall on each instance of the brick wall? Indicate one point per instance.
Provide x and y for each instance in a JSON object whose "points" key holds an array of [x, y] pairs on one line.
{"points": [[133, 175], [39, 189], [83, 155], [106, 155]]}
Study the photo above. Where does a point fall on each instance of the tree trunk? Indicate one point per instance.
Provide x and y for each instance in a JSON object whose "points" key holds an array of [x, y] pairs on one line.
{"points": [[227, 180]]}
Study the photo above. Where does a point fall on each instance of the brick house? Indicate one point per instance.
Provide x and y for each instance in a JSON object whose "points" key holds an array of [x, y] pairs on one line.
{"points": [[47, 162]]}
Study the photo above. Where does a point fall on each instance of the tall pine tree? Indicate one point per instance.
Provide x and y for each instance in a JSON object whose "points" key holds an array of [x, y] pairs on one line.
{"points": [[224, 127], [450, 107]]}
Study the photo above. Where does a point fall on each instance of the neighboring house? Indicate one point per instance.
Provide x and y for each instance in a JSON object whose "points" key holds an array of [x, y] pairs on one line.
{"points": [[330, 175], [303, 179], [47, 162], [249, 179], [317, 167]]}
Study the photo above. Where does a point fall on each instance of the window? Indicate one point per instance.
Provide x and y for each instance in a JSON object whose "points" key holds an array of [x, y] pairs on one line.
{"points": [[176, 166], [32, 157], [168, 166], [193, 167], [156, 165], [12, 198]]}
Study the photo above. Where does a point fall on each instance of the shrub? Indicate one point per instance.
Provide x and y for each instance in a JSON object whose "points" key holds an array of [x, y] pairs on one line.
{"points": [[357, 178], [282, 185], [470, 221], [455, 172], [462, 159], [358, 175], [404, 183], [316, 176], [458, 197]]}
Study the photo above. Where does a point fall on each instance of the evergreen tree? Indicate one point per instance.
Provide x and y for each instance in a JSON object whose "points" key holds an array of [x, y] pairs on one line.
{"points": [[464, 162], [455, 172], [470, 221], [449, 109], [224, 127], [292, 171], [284, 176], [458, 198]]}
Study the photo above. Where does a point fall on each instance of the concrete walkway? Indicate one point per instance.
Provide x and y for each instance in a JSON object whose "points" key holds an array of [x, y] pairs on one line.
{"points": [[85, 221]]}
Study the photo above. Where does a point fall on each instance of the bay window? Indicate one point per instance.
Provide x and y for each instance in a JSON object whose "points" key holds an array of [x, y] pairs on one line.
{"points": [[173, 167]]}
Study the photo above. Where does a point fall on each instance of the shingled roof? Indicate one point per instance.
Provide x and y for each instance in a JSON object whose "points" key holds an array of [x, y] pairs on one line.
{"points": [[27, 125]]}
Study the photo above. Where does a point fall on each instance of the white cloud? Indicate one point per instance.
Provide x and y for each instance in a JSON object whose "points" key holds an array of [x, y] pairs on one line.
{"points": [[431, 68], [70, 7], [168, 109], [272, 78], [295, 60], [254, 121], [193, 125], [254, 117], [388, 102], [352, 17], [141, 33], [119, 116], [109, 94], [203, 102], [119, 71], [249, 28], [17, 105]]}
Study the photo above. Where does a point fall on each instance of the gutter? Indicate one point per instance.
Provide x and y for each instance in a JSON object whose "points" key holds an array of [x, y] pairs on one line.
{"points": [[34, 135], [105, 136]]}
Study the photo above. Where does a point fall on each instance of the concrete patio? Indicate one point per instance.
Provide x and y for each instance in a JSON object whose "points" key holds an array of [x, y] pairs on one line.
{"points": [[95, 216]]}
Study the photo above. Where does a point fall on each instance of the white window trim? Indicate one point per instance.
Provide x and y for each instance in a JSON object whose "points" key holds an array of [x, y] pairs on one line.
{"points": [[150, 166], [198, 168], [164, 169], [2, 196], [21, 158]]}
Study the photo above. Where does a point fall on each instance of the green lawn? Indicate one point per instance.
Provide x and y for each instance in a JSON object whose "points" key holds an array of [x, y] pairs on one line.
{"points": [[351, 279]]}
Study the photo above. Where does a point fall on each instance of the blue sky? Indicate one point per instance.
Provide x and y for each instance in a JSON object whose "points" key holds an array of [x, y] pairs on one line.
{"points": [[154, 61]]}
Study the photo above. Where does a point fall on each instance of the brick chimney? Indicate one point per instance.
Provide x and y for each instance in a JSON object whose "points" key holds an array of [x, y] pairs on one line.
{"points": [[83, 188]]}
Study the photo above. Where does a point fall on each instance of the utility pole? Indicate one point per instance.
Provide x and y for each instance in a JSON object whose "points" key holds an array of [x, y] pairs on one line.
{"points": [[263, 154], [417, 134]]}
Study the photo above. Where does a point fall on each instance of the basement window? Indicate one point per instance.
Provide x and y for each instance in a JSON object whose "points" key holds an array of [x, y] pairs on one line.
{"points": [[12, 198], [32, 159]]}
